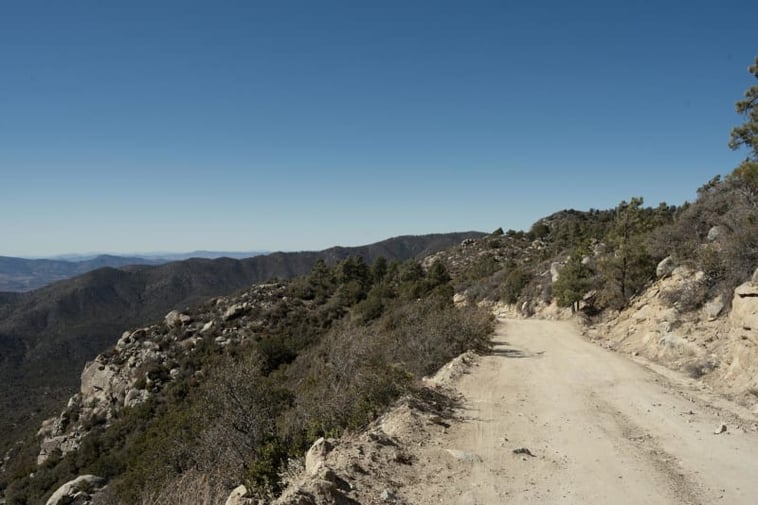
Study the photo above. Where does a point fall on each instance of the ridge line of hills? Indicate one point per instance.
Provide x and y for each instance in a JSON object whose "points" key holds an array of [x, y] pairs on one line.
{"points": [[18, 274]]}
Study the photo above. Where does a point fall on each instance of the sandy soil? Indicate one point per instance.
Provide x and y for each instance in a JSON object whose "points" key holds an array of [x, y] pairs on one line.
{"points": [[599, 428]]}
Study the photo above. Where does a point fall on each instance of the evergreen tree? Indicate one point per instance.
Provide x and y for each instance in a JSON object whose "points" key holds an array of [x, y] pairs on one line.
{"points": [[746, 135], [629, 267], [574, 281]]}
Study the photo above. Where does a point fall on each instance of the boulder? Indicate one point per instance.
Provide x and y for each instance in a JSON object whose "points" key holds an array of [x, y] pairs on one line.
{"points": [[175, 319], [96, 381], [555, 270], [713, 308], [716, 233], [76, 491], [744, 313], [239, 497], [135, 396], [665, 267], [234, 311], [315, 458]]}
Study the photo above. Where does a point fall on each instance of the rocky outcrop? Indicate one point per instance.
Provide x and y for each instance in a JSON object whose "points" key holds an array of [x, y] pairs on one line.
{"points": [[744, 313], [661, 326], [77, 492], [145, 360]]}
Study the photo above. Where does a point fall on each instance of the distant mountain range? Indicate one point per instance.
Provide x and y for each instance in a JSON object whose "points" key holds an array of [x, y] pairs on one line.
{"points": [[162, 256], [47, 335], [24, 274]]}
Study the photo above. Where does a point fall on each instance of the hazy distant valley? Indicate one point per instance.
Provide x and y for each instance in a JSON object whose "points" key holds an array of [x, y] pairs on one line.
{"points": [[26, 274]]}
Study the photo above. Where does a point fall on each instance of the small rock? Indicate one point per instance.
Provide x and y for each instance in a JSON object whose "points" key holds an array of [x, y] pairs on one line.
{"points": [[388, 495], [523, 450], [464, 456], [721, 429]]}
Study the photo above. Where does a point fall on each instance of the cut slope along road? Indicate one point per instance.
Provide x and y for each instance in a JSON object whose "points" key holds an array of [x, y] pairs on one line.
{"points": [[548, 417]]}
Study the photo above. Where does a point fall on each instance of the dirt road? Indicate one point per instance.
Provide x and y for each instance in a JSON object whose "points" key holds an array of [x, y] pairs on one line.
{"points": [[599, 429]]}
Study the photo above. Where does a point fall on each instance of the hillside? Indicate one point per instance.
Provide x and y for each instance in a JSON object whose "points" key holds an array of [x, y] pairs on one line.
{"points": [[48, 334], [273, 354], [21, 274]]}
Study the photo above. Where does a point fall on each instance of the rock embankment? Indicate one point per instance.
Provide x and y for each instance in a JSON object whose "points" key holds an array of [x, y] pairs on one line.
{"points": [[715, 341], [145, 360]]}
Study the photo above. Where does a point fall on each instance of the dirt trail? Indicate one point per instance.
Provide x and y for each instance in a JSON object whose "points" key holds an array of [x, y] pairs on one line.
{"points": [[601, 429]]}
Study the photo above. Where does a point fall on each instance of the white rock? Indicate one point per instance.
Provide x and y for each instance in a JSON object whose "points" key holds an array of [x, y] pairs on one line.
{"points": [[666, 267], [68, 491], [744, 313], [235, 310], [238, 497], [716, 233], [555, 271], [316, 455], [713, 308]]}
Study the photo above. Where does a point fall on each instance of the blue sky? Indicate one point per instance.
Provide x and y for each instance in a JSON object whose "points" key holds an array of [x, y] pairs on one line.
{"points": [[173, 126]]}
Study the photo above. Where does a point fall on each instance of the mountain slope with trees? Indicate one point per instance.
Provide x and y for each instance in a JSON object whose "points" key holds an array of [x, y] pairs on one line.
{"points": [[48, 334]]}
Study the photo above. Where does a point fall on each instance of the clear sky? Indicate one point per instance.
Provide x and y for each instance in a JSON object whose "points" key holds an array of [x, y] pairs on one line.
{"points": [[130, 126]]}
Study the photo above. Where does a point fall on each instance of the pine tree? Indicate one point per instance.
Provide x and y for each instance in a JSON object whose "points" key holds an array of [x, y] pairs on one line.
{"points": [[746, 134]]}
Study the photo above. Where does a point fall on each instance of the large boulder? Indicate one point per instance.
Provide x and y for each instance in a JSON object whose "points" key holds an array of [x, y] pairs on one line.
{"points": [[744, 314], [77, 491], [96, 381]]}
